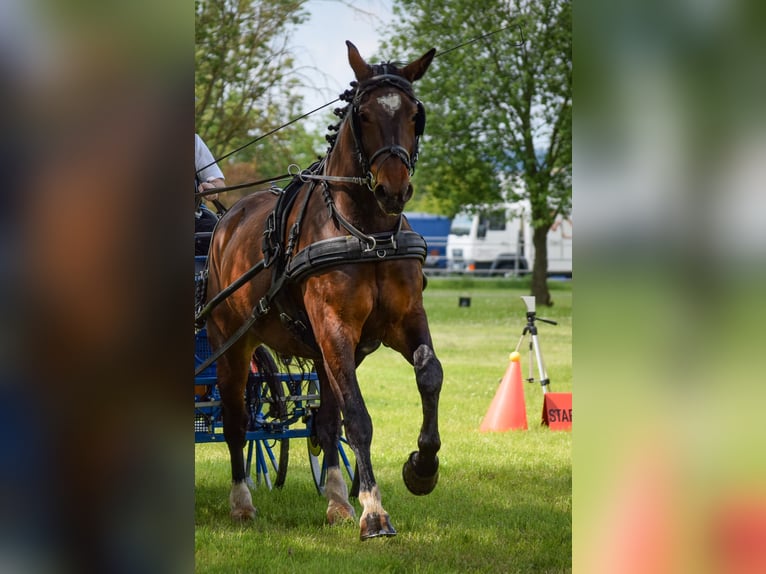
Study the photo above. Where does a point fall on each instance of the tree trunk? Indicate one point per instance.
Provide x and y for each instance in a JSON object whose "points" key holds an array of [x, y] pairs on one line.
{"points": [[540, 267]]}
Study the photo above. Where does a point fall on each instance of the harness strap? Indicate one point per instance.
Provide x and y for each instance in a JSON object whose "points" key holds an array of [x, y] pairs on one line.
{"points": [[307, 175], [370, 240], [227, 345], [350, 249], [213, 303], [261, 308], [295, 231], [395, 151], [317, 257]]}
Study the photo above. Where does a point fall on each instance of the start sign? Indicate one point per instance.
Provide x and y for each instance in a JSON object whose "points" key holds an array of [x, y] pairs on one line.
{"points": [[557, 411]]}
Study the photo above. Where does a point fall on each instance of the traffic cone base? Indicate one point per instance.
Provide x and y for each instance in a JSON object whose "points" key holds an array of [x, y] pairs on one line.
{"points": [[508, 410]]}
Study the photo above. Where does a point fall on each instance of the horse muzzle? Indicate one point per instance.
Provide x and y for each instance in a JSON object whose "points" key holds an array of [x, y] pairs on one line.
{"points": [[392, 203]]}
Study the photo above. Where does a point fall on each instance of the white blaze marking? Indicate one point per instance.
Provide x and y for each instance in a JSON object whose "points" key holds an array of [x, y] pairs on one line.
{"points": [[391, 102]]}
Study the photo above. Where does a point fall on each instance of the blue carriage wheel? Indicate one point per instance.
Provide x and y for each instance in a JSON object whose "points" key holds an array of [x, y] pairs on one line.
{"points": [[265, 399], [269, 457]]}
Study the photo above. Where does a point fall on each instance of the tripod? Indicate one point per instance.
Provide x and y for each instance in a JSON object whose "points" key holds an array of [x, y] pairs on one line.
{"points": [[534, 344]]}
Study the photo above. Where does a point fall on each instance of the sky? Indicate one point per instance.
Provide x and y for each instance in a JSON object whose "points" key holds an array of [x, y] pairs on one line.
{"points": [[320, 48]]}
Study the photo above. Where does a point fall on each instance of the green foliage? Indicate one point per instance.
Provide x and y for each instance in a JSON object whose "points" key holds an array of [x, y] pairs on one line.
{"points": [[503, 502], [244, 80], [499, 109]]}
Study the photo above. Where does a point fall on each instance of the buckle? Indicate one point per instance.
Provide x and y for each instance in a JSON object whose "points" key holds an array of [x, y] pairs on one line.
{"points": [[370, 247]]}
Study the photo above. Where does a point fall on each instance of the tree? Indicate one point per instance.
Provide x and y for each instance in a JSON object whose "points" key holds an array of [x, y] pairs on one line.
{"points": [[499, 111], [244, 80]]}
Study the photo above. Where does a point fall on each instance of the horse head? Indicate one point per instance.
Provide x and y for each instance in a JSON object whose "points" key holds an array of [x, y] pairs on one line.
{"points": [[387, 121]]}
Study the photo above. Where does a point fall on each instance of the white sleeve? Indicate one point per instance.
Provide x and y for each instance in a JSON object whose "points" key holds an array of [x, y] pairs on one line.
{"points": [[203, 157]]}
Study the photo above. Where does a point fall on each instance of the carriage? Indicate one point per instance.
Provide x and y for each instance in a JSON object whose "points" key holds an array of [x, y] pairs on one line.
{"points": [[326, 270]]}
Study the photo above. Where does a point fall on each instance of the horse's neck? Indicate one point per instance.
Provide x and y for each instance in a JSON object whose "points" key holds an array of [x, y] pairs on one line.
{"points": [[354, 202]]}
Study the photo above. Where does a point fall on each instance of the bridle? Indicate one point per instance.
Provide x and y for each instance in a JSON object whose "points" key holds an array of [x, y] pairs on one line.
{"points": [[355, 99], [398, 151]]}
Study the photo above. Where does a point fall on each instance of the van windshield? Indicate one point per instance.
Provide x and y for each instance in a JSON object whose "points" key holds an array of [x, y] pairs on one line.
{"points": [[461, 224]]}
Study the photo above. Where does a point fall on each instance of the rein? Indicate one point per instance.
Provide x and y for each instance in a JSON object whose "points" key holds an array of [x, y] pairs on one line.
{"points": [[305, 176], [241, 185]]}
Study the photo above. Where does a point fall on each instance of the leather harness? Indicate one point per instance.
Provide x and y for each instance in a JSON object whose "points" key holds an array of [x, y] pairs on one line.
{"points": [[357, 247]]}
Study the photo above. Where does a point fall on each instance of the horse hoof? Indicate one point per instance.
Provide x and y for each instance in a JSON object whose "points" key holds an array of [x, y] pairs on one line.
{"points": [[374, 525], [337, 513], [415, 483], [243, 514]]}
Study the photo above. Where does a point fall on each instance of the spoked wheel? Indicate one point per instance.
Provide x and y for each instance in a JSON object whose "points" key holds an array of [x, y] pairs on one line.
{"points": [[266, 403], [270, 460]]}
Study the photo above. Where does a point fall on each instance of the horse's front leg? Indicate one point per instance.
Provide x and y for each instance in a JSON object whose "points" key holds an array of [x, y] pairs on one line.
{"points": [[421, 470], [338, 342], [374, 521]]}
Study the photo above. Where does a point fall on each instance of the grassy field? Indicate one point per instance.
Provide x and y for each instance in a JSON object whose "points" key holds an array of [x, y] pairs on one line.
{"points": [[503, 502]]}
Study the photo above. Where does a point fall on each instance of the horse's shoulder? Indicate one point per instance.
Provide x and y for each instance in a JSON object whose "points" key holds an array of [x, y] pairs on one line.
{"points": [[251, 208], [260, 200]]}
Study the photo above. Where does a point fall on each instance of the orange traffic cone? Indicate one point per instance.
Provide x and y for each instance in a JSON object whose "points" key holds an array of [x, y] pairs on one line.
{"points": [[508, 410]]}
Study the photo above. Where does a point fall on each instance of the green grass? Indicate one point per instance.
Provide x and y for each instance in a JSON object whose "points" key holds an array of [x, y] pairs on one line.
{"points": [[503, 502]]}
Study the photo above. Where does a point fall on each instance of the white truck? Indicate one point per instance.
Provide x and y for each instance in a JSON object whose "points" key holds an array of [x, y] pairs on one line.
{"points": [[497, 240]]}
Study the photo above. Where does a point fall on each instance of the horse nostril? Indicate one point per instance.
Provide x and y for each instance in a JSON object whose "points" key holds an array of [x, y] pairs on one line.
{"points": [[390, 204], [408, 193]]}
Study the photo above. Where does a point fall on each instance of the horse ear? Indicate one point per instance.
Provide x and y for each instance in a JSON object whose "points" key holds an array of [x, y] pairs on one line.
{"points": [[415, 70], [362, 70]]}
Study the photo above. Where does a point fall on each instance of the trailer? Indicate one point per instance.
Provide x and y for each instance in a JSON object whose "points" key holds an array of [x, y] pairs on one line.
{"points": [[435, 230], [497, 240]]}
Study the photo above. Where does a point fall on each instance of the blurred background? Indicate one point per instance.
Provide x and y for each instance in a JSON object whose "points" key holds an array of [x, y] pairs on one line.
{"points": [[97, 114], [669, 142]]}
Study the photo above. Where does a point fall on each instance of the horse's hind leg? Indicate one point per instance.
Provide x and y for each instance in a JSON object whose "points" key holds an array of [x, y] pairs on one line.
{"points": [[327, 428], [232, 371], [421, 471]]}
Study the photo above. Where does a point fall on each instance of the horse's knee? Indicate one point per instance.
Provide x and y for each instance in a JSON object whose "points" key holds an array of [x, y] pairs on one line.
{"points": [[428, 370]]}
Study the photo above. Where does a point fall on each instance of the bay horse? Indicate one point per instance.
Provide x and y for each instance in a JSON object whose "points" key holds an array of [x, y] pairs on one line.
{"points": [[338, 273]]}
